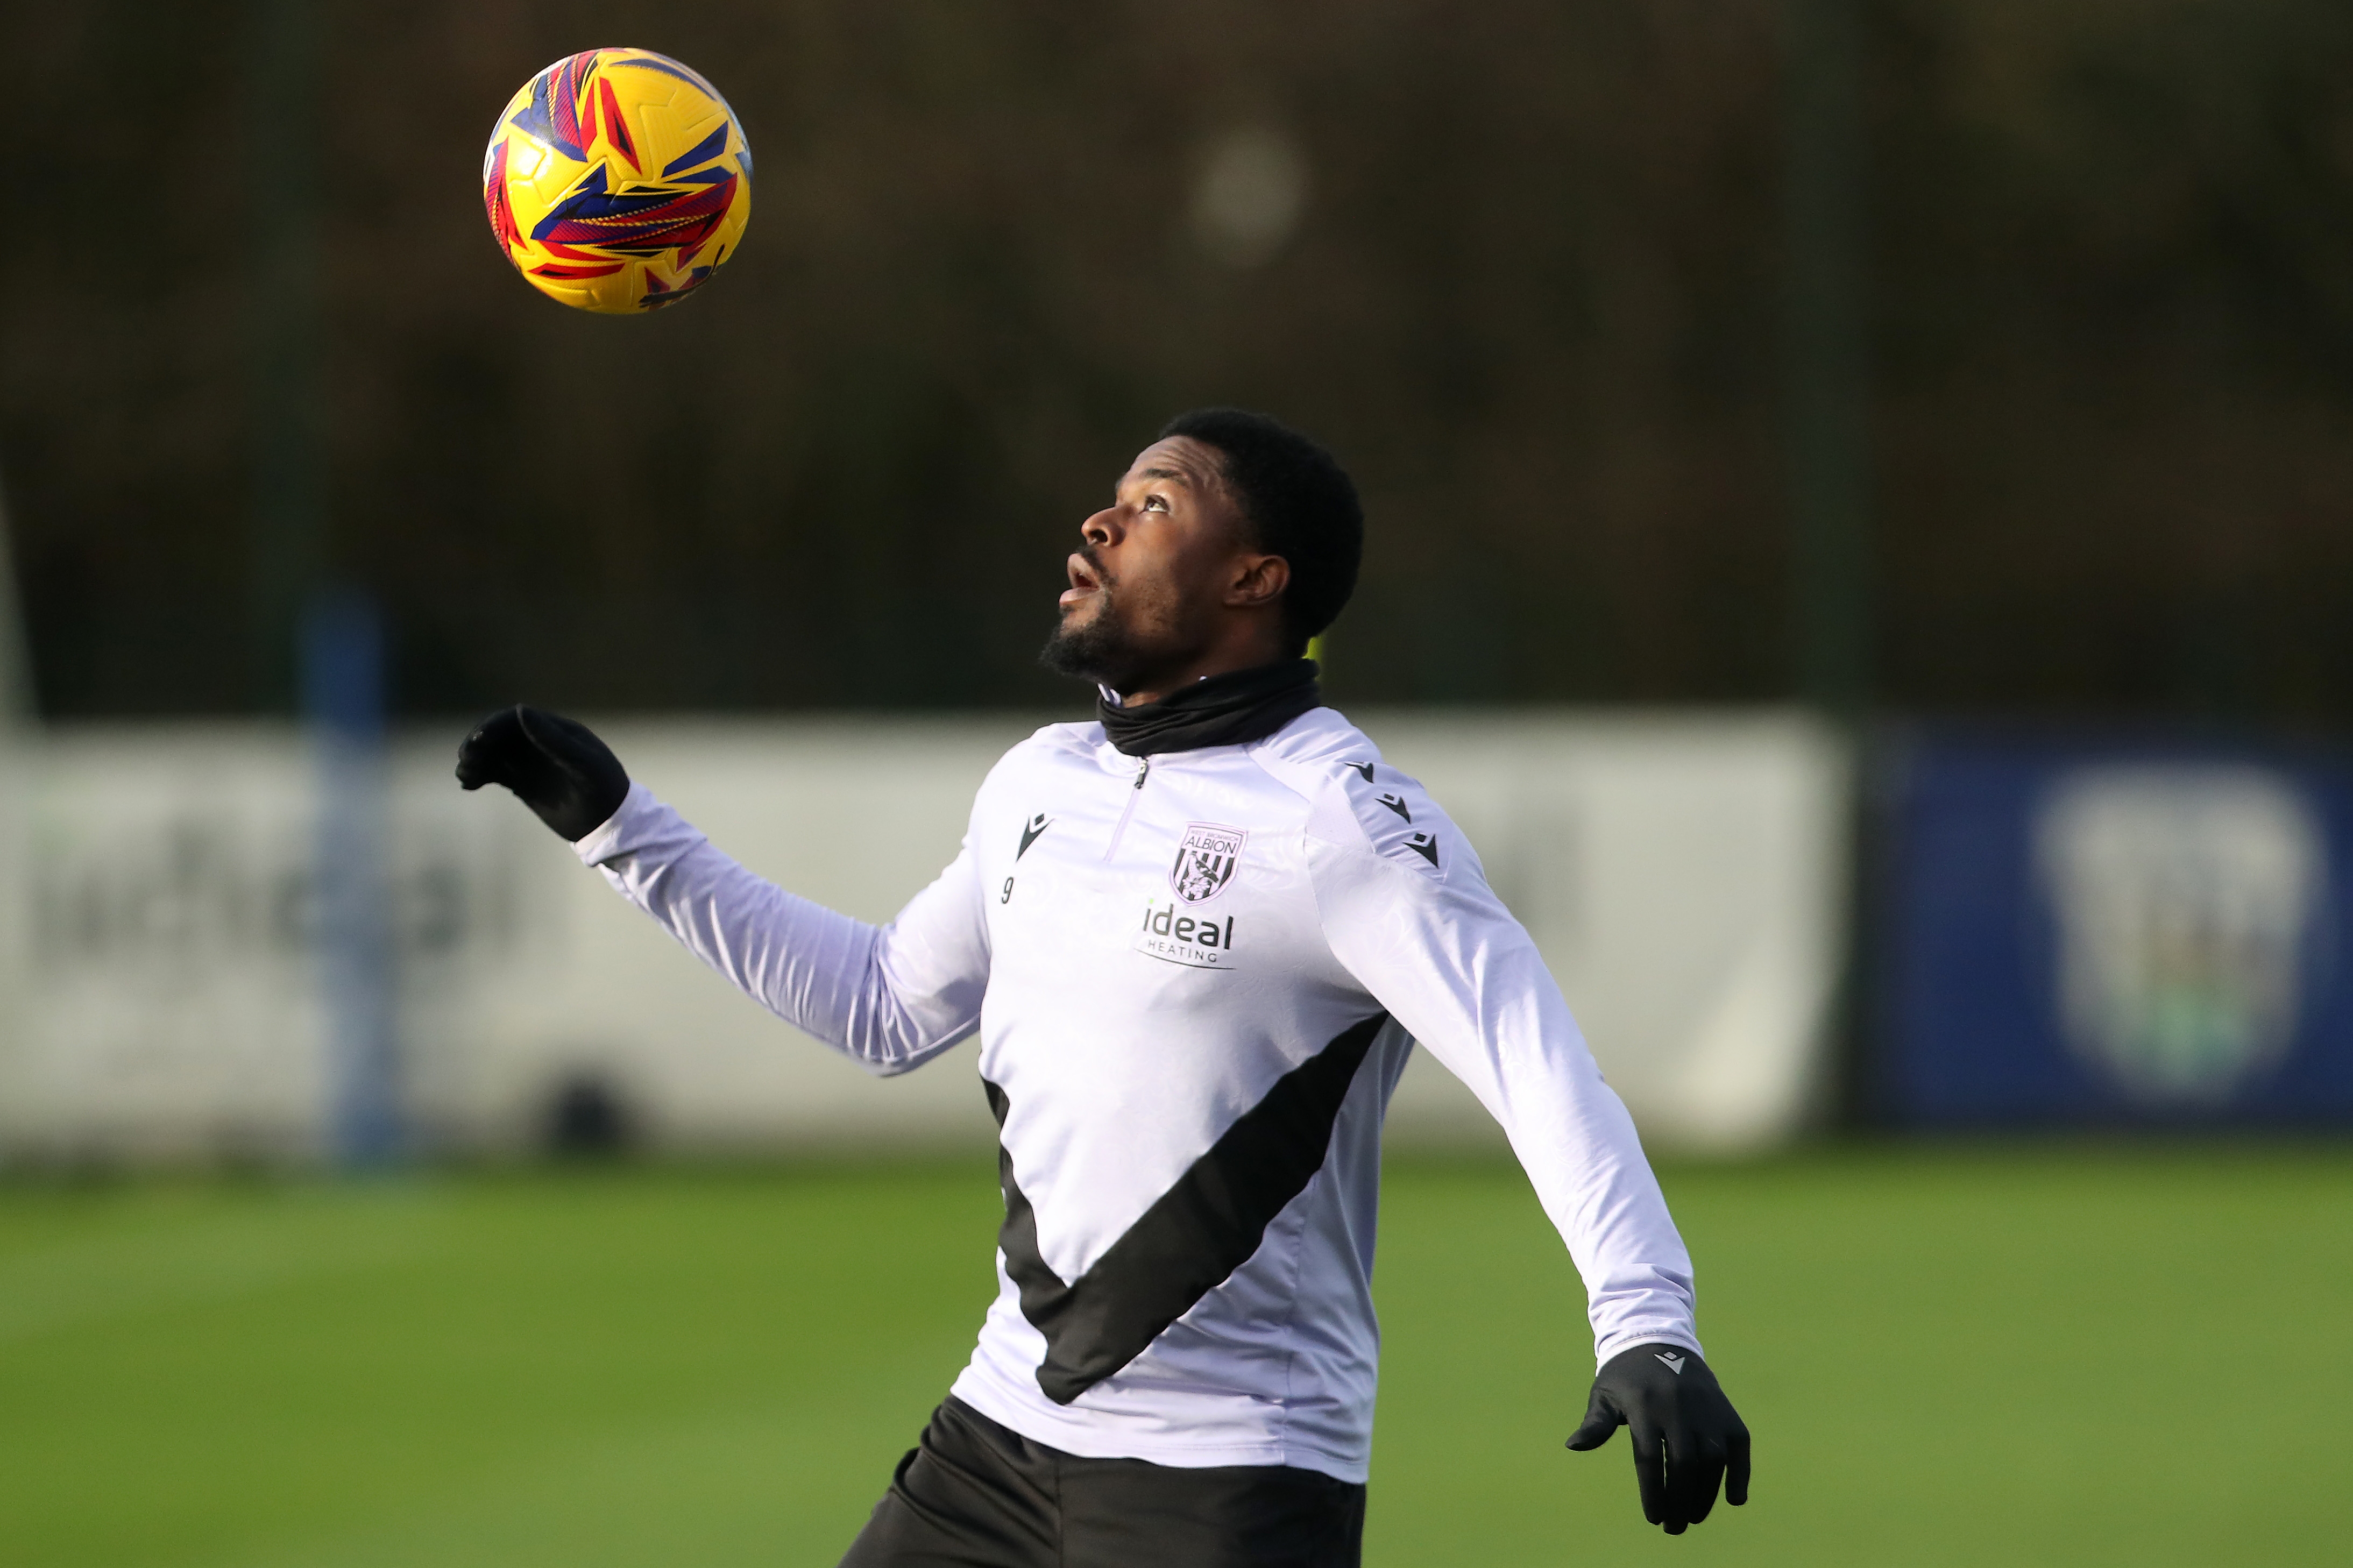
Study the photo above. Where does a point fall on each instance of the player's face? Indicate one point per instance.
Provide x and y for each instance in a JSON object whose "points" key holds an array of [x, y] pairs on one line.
{"points": [[1150, 580]]}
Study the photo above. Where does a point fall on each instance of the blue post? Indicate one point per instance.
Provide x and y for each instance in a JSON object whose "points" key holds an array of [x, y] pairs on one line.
{"points": [[342, 700]]}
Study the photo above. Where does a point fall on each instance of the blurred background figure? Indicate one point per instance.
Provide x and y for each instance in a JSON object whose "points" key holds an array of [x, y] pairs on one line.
{"points": [[1861, 531]]}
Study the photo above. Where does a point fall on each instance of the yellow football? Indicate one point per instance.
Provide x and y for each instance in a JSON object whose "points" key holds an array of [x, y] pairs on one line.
{"points": [[618, 181]]}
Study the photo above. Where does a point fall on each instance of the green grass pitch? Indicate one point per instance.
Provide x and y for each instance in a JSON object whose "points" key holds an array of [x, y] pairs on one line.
{"points": [[1961, 1355]]}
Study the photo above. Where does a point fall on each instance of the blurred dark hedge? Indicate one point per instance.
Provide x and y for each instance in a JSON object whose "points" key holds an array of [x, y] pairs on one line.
{"points": [[1532, 300]]}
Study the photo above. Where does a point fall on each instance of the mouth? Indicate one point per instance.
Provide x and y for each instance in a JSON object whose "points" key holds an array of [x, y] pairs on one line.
{"points": [[1086, 581]]}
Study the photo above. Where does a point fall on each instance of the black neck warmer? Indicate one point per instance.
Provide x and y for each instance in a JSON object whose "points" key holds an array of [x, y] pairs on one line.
{"points": [[1223, 710]]}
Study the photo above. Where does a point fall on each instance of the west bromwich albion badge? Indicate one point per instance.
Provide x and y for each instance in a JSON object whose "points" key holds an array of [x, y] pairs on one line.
{"points": [[1206, 861]]}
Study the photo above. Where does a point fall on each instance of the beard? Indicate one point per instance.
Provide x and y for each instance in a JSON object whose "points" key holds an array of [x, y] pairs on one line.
{"points": [[1102, 649]]}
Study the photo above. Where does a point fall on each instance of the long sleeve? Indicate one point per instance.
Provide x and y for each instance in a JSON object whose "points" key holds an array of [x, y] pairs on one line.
{"points": [[891, 996], [1409, 913]]}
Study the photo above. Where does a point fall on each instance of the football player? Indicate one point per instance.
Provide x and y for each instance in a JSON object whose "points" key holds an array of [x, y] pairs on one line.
{"points": [[1198, 936]]}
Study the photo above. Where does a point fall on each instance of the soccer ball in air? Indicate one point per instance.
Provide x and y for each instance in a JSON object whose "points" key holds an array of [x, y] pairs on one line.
{"points": [[618, 181]]}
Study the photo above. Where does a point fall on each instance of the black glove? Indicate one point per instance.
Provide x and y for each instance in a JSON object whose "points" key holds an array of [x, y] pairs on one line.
{"points": [[556, 766], [1686, 1434]]}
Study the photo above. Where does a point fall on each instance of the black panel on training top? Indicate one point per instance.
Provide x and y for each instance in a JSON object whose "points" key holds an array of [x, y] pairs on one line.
{"points": [[1193, 1236]]}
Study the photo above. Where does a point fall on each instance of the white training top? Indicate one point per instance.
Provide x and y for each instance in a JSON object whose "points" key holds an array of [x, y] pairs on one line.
{"points": [[1197, 977]]}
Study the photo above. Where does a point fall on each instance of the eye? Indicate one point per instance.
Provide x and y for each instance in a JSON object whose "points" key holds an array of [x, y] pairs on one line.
{"points": [[1155, 503]]}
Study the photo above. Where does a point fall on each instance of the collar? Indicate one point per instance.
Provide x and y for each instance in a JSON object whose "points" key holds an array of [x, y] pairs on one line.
{"points": [[1228, 709]]}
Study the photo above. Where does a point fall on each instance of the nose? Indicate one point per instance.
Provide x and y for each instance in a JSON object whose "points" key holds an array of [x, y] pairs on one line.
{"points": [[1103, 528]]}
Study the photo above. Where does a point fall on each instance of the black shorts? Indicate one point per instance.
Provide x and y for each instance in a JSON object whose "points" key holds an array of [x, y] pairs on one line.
{"points": [[978, 1494]]}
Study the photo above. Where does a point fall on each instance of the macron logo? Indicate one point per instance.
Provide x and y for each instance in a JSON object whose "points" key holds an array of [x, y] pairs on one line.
{"points": [[1674, 1363], [1036, 825]]}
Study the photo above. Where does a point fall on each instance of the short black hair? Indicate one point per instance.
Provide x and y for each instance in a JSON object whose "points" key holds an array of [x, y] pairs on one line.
{"points": [[1297, 502]]}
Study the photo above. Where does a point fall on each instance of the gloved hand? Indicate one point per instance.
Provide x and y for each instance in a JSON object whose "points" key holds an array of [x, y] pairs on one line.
{"points": [[556, 766], [1685, 1433]]}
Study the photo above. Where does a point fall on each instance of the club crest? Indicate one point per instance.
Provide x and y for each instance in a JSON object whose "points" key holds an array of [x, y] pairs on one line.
{"points": [[1206, 861]]}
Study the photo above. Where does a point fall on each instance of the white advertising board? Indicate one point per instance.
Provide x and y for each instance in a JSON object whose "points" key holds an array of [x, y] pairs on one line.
{"points": [[1680, 873]]}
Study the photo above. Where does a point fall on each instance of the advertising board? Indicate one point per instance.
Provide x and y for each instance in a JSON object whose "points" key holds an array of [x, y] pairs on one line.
{"points": [[2115, 932], [1680, 873]]}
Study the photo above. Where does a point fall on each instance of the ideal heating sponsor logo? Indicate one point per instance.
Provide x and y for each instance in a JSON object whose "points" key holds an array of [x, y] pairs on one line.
{"points": [[1174, 937]]}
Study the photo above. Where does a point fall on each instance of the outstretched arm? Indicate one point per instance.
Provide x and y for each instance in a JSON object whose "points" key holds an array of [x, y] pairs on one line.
{"points": [[891, 996], [1407, 909]]}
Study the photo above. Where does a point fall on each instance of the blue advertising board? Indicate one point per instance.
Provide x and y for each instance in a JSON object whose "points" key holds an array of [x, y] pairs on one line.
{"points": [[2136, 932]]}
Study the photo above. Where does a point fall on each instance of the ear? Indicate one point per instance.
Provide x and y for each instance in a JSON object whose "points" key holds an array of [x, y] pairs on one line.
{"points": [[1257, 580]]}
